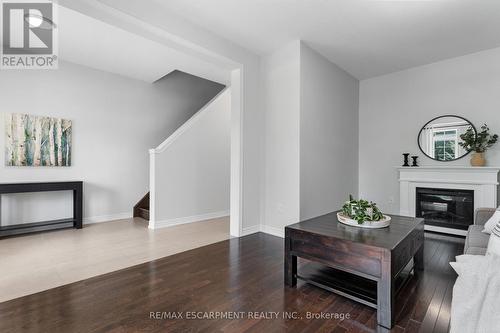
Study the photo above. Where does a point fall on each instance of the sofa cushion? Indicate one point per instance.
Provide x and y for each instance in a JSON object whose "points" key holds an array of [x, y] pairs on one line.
{"points": [[478, 251], [482, 215], [492, 222], [476, 238], [494, 242]]}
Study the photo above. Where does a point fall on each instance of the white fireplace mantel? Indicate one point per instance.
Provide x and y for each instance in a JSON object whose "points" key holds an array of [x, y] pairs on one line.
{"points": [[482, 180]]}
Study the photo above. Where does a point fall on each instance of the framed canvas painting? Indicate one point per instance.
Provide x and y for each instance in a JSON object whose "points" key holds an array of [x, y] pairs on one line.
{"points": [[37, 140]]}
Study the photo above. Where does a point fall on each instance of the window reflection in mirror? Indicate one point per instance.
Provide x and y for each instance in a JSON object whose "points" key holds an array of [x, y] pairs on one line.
{"points": [[439, 138]]}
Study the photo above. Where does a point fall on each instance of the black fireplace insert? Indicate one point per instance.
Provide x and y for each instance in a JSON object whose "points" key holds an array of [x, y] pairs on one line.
{"points": [[448, 208]]}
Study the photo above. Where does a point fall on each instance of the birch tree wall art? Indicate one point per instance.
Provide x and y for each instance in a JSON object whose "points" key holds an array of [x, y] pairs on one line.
{"points": [[37, 141]]}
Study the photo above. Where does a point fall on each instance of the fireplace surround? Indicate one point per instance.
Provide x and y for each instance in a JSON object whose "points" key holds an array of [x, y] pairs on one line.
{"points": [[480, 184]]}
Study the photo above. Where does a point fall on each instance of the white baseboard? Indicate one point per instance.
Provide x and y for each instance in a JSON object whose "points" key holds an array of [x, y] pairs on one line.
{"points": [[187, 219], [274, 231], [279, 232], [107, 218], [444, 230], [250, 230]]}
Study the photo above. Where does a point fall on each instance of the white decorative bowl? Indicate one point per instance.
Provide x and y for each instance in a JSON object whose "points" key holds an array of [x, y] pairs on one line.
{"points": [[384, 222]]}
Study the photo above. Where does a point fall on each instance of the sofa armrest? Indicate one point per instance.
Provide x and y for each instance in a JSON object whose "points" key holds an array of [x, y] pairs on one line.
{"points": [[482, 215]]}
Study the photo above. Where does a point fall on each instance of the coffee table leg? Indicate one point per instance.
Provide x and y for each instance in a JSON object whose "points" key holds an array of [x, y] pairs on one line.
{"points": [[290, 263], [385, 294], [418, 259], [291, 270]]}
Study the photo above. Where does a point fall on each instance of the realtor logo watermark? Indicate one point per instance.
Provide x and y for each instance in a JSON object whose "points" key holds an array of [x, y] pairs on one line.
{"points": [[29, 35]]}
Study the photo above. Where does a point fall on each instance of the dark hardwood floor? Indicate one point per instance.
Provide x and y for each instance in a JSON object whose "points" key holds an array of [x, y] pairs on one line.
{"points": [[243, 274]]}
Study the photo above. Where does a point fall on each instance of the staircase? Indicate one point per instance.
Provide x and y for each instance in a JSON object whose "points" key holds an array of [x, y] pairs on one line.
{"points": [[208, 130], [141, 209]]}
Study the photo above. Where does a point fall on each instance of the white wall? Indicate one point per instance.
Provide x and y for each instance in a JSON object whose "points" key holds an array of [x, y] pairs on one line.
{"points": [[394, 107], [192, 171], [167, 28], [281, 75], [328, 134], [115, 121]]}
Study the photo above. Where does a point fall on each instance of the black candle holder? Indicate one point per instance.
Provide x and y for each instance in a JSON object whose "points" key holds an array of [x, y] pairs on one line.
{"points": [[415, 162], [406, 159]]}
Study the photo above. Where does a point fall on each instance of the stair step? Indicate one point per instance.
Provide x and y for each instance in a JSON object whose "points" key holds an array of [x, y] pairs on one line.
{"points": [[144, 213], [141, 209]]}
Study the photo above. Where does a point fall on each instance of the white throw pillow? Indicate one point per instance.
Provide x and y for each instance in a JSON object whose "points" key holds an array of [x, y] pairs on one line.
{"points": [[492, 222], [494, 242]]}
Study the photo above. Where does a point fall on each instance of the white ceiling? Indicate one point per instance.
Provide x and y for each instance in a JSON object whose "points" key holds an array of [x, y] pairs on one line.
{"points": [[366, 38], [96, 44]]}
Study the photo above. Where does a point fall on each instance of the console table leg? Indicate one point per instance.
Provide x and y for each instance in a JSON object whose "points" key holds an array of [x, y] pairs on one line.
{"points": [[78, 207], [385, 294], [290, 263]]}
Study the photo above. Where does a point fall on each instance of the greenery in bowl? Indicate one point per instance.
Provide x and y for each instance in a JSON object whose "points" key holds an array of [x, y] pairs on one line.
{"points": [[361, 210], [479, 142]]}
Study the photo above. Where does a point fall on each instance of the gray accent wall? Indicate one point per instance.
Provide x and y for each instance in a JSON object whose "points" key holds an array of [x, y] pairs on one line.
{"points": [[328, 134], [311, 142], [186, 94]]}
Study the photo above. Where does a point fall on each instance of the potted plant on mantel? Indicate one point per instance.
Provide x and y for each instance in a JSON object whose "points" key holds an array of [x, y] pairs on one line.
{"points": [[478, 144]]}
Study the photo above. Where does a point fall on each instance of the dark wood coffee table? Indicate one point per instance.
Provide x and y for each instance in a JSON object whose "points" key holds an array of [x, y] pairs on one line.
{"points": [[355, 259]]}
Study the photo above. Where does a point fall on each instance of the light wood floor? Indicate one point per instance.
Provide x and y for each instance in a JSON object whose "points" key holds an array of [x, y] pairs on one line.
{"points": [[38, 262]]}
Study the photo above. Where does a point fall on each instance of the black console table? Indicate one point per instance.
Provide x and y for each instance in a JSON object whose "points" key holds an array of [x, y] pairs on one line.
{"points": [[74, 222]]}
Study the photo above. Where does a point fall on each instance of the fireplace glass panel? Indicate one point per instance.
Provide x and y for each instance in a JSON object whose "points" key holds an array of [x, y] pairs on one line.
{"points": [[445, 207]]}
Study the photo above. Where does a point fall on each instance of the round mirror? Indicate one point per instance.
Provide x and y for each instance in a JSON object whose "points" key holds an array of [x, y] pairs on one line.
{"points": [[439, 139]]}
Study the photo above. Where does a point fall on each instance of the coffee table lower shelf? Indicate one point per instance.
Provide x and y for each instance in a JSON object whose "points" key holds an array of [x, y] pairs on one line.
{"points": [[348, 285]]}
